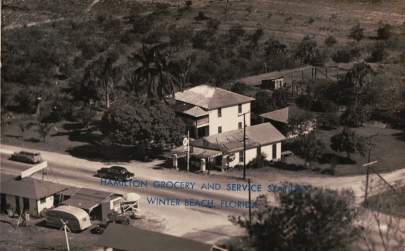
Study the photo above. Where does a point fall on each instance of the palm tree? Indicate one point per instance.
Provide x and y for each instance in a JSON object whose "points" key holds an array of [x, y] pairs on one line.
{"points": [[101, 75], [155, 75]]}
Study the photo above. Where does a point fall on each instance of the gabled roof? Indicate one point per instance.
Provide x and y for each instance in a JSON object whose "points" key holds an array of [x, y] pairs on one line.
{"points": [[210, 97], [257, 135], [284, 114], [129, 238], [30, 188]]}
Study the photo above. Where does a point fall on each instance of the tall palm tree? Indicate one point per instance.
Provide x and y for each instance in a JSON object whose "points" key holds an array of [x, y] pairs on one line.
{"points": [[155, 74], [100, 78]]}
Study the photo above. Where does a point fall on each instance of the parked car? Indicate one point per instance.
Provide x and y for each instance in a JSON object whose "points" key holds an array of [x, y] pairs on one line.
{"points": [[27, 157], [114, 173]]}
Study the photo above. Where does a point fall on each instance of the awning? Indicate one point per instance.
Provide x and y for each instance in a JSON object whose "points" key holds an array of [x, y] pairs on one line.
{"points": [[196, 152], [205, 153]]}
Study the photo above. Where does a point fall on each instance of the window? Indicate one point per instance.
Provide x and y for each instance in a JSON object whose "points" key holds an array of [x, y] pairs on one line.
{"points": [[219, 129], [219, 112], [241, 156], [42, 200], [240, 108], [240, 125]]}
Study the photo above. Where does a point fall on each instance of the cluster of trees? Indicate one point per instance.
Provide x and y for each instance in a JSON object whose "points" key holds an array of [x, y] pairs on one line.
{"points": [[308, 219], [361, 93], [311, 148]]}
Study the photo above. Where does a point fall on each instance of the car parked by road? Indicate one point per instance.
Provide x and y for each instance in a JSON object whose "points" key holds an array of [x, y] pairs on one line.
{"points": [[27, 157], [114, 173]]}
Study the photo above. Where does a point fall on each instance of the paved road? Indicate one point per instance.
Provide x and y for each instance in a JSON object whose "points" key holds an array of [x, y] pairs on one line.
{"points": [[200, 223]]}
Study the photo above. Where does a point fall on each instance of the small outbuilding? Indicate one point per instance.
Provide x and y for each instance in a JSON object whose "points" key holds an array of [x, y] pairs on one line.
{"points": [[291, 120]]}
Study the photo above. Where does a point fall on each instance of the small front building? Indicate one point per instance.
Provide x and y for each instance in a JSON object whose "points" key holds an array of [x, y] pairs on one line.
{"points": [[28, 195]]}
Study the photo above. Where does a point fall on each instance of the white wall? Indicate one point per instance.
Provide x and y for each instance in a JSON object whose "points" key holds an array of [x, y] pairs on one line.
{"points": [[229, 119], [278, 150], [47, 204], [35, 205], [250, 155], [268, 150]]}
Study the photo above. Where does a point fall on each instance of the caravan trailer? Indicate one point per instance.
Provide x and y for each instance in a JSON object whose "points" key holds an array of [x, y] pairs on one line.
{"points": [[75, 218]]}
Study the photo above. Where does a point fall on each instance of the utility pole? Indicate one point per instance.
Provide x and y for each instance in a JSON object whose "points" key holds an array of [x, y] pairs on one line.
{"points": [[244, 145], [367, 166], [250, 209], [188, 150]]}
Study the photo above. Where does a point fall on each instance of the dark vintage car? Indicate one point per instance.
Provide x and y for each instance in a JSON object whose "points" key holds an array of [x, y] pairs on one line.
{"points": [[27, 157], [114, 173]]}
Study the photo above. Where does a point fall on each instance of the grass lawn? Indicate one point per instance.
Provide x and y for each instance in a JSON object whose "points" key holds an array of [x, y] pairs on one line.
{"points": [[389, 202], [389, 151]]}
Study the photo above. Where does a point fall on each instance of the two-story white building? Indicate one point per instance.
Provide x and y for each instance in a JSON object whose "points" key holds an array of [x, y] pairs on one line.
{"points": [[209, 110], [215, 119]]}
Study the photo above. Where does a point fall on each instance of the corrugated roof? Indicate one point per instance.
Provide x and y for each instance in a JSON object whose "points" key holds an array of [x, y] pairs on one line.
{"points": [[210, 97], [145, 240], [257, 135], [87, 198], [30, 188]]}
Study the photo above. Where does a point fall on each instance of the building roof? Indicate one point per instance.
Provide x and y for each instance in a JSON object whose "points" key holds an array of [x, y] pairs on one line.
{"points": [[257, 79], [87, 199], [210, 97], [129, 238], [284, 114], [30, 188], [231, 141], [195, 111]]}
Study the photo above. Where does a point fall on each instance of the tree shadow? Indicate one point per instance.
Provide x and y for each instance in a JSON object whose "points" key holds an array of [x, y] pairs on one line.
{"points": [[103, 153], [286, 166], [399, 135], [334, 158], [33, 140]]}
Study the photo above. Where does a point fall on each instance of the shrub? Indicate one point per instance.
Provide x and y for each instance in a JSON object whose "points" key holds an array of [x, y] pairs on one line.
{"points": [[346, 55], [257, 162], [304, 101], [330, 41], [329, 120], [235, 32], [213, 24], [376, 52], [356, 32], [384, 31]]}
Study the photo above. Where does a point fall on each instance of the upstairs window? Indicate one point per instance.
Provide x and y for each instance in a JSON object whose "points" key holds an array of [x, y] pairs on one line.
{"points": [[240, 108], [219, 112]]}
